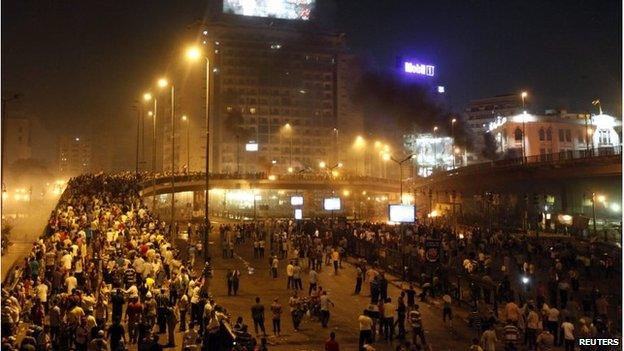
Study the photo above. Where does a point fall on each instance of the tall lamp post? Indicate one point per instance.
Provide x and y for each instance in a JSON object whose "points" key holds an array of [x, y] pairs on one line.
{"points": [[194, 53], [359, 145], [453, 121], [148, 97], [188, 144], [163, 83], [400, 163], [523, 95]]}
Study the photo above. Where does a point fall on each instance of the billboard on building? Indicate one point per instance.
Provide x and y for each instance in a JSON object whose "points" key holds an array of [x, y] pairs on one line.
{"points": [[331, 204], [283, 9]]}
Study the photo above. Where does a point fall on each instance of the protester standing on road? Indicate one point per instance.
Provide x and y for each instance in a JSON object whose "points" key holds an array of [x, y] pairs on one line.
{"points": [[325, 302], [257, 315], [276, 310], [332, 344], [417, 326], [313, 275], [366, 330]]}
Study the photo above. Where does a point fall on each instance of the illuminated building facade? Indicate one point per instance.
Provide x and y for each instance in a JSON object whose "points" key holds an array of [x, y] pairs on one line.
{"points": [[551, 134], [283, 84], [481, 112], [432, 153]]}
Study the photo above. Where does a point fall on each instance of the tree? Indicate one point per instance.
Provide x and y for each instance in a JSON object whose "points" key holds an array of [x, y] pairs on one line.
{"points": [[490, 148]]}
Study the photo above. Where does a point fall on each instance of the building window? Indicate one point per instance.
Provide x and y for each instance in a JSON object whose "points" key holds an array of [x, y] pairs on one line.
{"points": [[518, 134], [604, 137], [549, 134], [561, 135], [542, 135], [568, 135]]}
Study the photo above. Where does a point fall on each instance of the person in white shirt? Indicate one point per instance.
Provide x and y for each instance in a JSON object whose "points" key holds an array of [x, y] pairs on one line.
{"points": [[42, 293], [289, 272], [552, 323], [389, 312], [568, 335], [366, 327], [325, 302], [71, 282]]}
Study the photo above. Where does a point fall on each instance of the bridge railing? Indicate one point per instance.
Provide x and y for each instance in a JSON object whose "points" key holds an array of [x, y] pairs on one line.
{"points": [[569, 156], [164, 178]]}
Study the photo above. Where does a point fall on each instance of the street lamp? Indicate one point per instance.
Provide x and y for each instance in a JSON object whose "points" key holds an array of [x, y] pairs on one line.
{"points": [[400, 163], [194, 54], [164, 83], [148, 97], [359, 145], [322, 165], [524, 95], [188, 143]]}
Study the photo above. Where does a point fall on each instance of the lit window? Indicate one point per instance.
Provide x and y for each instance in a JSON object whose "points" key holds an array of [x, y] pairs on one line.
{"points": [[542, 134], [518, 134]]}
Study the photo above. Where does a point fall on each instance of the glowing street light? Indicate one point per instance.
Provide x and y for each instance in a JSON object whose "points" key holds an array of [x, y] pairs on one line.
{"points": [[601, 198], [193, 53], [290, 169], [615, 207], [322, 164], [163, 83], [147, 96]]}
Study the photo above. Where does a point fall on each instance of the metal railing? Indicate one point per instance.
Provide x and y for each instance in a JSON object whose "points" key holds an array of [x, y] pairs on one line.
{"points": [[563, 157]]}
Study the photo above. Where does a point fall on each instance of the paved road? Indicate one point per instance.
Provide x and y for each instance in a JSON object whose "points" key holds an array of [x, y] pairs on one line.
{"points": [[343, 316]]}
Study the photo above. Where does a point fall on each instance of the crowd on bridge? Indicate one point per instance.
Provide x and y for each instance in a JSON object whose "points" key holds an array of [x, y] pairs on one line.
{"points": [[104, 276]]}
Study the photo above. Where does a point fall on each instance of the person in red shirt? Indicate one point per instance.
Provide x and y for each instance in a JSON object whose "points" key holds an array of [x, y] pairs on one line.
{"points": [[332, 344]]}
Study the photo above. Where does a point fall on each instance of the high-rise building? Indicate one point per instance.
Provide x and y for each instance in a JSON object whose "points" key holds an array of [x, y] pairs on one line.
{"points": [[282, 84], [74, 155], [17, 140], [482, 112]]}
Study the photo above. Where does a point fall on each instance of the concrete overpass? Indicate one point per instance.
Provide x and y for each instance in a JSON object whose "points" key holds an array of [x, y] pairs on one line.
{"points": [[510, 190], [297, 182]]}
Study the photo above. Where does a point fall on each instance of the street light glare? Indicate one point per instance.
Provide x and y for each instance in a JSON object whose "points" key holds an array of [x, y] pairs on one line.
{"points": [[454, 120], [601, 198], [184, 118], [193, 53], [150, 113], [524, 94], [322, 164], [163, 82], [147, 96]]}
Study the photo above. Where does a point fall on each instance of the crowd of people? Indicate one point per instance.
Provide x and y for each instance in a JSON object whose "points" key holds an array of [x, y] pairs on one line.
{"points": [[105, 275]]}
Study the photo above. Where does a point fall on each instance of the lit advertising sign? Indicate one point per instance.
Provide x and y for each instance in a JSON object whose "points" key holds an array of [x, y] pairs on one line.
{"points": [[331, 204], [252, 147], [296, 200], [283, 9], [298, 213], [401, 213], [422, 69]]}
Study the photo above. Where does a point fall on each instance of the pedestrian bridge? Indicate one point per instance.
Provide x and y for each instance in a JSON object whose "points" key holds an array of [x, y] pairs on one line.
{"points": [[162, 184]]}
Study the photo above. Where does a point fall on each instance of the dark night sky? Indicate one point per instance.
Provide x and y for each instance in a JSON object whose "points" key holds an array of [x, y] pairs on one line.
{"points": [[75, 61]]}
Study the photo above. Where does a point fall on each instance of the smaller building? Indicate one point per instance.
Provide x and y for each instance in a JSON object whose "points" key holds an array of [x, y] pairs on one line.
{"points": [[552, 133], [74, 155], [17, 140]]}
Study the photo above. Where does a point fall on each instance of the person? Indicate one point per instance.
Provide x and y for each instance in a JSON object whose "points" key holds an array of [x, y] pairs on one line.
{"points": [[447, 312], [230, 279], [171, 322], [276, 309], [274, 266], [235, 281], [313, 275], [183, 305], [290, 268], [257, 315], [545, 341], [552, 323], [335, 257], [332, 344], [366, 330], [297, 277], [325, 302], [98, 343], [295, 311], [389, 311], [116, 334], [359, 276], [568, 334], [475, 345], [417, 326], [510, 335], [489, 339], [532, 325]]}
